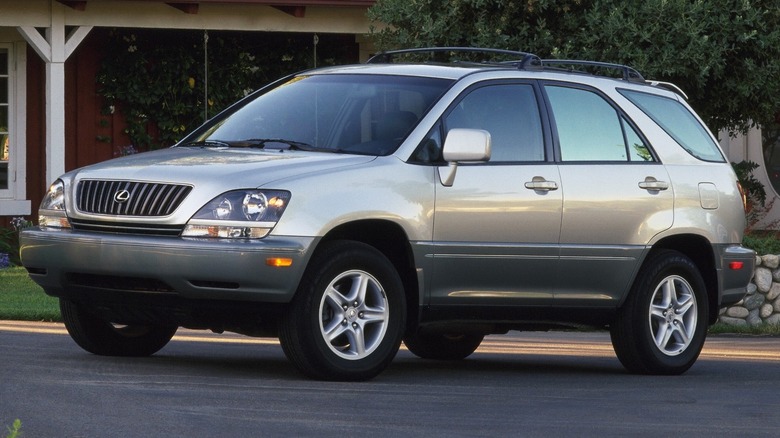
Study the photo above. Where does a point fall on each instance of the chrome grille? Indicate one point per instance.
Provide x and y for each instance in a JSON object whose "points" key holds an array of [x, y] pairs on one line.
{"points": [[129, 198]]}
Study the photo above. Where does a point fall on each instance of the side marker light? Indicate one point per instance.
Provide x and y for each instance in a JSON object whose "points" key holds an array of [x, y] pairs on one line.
{"points": [[278, 262]]}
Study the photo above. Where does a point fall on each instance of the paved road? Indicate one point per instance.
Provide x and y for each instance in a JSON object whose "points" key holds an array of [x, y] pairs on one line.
{"points": [[523, 384]]}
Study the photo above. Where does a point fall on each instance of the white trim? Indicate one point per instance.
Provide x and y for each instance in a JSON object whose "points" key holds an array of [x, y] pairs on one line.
{"points": [[54, 49], [37, 41], [74, 38]]}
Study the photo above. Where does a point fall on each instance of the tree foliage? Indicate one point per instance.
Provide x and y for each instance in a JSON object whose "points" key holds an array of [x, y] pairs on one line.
{"points": [[725, 54]]}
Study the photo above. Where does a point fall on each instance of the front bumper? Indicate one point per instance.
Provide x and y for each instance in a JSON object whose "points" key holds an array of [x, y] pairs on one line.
{"points": [[64, 262]]}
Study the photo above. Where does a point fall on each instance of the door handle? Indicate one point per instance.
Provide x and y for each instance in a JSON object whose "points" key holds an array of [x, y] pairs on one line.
{"points": [[538, 183], [653, 185]]}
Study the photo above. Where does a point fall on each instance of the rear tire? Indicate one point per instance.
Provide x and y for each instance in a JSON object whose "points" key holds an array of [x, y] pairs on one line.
{"points": [[103, 338], [441, 346], [662, 326], [347, 318]]}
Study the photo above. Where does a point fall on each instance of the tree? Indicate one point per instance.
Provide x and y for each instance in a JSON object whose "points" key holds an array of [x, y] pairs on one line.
{"points": [[725, 54]]}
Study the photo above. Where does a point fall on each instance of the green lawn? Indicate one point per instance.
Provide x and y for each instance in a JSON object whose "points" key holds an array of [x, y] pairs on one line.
{"points": [[22, 299]]}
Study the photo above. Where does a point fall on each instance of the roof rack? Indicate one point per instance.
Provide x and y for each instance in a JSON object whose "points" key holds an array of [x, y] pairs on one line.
{"points": [[525, 61], [521, 61], [628, 73]]}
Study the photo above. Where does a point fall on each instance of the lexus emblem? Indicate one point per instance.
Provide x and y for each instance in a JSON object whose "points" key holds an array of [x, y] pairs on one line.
{"points": [[121, 196]]}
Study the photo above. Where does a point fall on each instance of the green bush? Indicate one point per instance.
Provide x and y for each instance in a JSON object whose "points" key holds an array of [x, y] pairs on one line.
{"points": [[9, 242], [762, 242]]}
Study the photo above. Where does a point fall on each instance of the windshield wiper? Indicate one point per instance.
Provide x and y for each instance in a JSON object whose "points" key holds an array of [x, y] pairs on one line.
{"points": [[208, 144], [263, 142]]}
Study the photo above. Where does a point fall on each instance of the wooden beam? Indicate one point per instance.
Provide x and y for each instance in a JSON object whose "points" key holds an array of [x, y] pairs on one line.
{"points": [[187, 8], [79, 5], [295, 11]]}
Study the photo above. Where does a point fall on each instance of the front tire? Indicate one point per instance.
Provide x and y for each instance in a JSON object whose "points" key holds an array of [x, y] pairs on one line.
{"points": [[103, 338], [347, 318], [662, 326]]}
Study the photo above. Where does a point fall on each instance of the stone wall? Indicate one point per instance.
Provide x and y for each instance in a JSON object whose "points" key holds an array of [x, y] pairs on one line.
{"points": [[761, 305]]}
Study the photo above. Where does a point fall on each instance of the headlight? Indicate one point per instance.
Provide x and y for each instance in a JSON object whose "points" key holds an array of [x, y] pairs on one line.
{"points": [[239, 214], [51, 213]]}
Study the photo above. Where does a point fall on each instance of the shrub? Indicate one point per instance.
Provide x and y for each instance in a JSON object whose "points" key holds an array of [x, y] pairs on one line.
{"points": [[9, 242]]}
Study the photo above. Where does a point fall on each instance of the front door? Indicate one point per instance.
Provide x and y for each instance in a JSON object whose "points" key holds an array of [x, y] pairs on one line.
{"points": [[496, 228]]}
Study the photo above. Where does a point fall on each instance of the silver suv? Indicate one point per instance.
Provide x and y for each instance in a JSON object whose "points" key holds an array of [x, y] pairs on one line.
{"points": [[347, 209]]}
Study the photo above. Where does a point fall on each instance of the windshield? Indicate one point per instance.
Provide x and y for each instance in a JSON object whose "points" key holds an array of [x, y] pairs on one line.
{"points": [[364, 114]]}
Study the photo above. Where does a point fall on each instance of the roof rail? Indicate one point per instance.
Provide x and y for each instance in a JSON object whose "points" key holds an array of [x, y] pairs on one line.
{"points": [[525, 61], [669, 86], [628, 73]]}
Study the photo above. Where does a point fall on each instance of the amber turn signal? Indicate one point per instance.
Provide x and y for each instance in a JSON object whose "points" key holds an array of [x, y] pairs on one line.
{"points": [[278, 262]]}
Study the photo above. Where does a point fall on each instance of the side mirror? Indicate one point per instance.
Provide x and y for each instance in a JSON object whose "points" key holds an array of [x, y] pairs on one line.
{"points": [[463, 145]]}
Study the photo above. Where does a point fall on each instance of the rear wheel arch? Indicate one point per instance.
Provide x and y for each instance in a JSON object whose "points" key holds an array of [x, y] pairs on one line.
{"points": [[661, 327], [699, 250]]}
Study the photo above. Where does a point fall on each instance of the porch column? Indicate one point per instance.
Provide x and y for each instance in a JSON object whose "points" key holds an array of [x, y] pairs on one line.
{"points": [[55, 49]]}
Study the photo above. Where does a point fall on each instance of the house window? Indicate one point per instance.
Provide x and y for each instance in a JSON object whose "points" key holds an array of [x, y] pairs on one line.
{"points": [[5, 143], [13, 176]]}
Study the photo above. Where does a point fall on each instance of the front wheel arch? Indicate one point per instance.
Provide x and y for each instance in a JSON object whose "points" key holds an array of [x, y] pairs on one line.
{"points": [[348, 315]]}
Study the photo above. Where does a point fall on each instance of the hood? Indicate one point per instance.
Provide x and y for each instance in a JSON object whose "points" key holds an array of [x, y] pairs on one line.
{"points": [[234, 167]]}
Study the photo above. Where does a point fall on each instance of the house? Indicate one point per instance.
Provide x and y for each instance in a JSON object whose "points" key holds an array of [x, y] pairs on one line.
{"points": [[49, 57]]}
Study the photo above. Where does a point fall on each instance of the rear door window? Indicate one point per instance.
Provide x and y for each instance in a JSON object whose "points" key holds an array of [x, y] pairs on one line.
{"points": [[589, 128]]}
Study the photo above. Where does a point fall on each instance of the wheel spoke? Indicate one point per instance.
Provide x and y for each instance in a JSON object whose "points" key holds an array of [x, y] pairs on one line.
{"points": [[662, 335], [682, 332], [334, 298], [684, 307], [357, 340], [360, 286], [335, 329], [657, 311], [373, 315], [668, 292]]}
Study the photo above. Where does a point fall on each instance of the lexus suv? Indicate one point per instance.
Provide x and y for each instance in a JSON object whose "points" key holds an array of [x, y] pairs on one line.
{"points": [[347, 209]]}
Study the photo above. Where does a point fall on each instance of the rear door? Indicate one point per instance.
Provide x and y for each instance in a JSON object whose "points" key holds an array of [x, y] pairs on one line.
{"points": [[616, 196]]}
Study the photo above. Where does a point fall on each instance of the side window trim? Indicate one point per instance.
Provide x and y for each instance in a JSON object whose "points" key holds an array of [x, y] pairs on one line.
{"points": [[622, 116]]}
